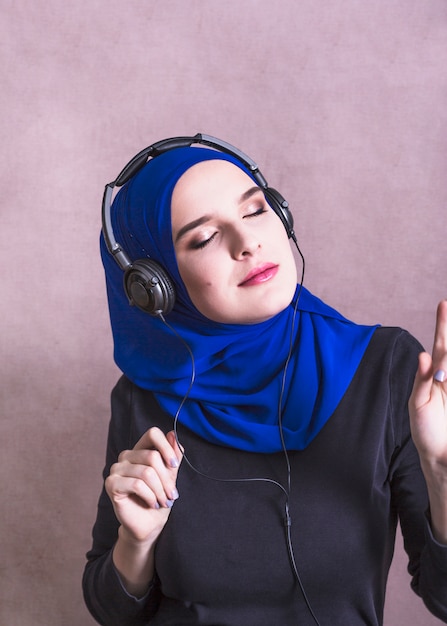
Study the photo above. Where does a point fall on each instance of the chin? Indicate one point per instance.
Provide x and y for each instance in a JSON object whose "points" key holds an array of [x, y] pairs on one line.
{"points": [[268, 313], [270, 304]]}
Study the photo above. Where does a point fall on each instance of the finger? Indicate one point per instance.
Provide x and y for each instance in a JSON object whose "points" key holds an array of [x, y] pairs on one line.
{"points": [[152, 459], [119, 487], [151, 474], [423, 381], [176, 445], [154, 438], [143, 456], [440, 343]]}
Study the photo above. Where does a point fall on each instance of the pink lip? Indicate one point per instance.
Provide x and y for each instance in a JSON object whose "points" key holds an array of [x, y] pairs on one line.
{"points": [[259, 275]]}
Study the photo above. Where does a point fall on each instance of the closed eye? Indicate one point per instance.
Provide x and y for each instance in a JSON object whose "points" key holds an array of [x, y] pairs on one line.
{"points": [[202, 244], [259, 211], [199, 245]]}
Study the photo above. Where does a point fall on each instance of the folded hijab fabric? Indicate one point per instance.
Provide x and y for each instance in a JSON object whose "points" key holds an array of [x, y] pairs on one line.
{"points": [[238, 368]]}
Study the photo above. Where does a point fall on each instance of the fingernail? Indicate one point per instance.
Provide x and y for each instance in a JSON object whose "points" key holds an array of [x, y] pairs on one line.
{"points": [[173, 463], [440, 376], [174, 494], [169, 503]]}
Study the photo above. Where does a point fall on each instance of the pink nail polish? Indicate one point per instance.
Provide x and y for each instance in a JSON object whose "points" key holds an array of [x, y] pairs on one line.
{"points": [[440, 376]]}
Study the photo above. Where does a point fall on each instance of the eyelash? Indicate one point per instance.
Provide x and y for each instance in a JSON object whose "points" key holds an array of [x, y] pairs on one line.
{"points": [[202, 244]]}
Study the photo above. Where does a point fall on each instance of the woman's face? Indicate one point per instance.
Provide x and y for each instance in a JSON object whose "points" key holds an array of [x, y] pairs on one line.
{"points": [[232, 250]]}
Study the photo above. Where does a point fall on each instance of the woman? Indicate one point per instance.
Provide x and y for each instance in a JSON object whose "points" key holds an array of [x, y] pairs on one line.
{"points": [[259, 452]]}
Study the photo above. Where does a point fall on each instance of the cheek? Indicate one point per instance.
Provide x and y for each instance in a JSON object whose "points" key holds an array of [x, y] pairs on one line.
{"points": [[196, 277], [293, 269], [290, 275]]}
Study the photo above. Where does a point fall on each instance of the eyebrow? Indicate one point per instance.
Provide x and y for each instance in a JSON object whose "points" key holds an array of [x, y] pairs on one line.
{"points": [[249, 193], [205, 218]]}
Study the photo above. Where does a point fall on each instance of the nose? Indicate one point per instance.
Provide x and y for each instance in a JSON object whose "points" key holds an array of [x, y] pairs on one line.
{"points": [[244, 242]]}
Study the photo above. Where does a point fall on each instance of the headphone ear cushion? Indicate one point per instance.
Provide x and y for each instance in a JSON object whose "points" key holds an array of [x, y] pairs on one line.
{"points": [[149, 287], [281, 208]]}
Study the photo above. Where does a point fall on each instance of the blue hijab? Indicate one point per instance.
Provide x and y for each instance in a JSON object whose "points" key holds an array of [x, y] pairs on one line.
{"points": [[239, 368]]}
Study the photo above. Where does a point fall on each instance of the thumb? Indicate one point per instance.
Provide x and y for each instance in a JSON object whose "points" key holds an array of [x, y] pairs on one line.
{"points": [[172, 438]]}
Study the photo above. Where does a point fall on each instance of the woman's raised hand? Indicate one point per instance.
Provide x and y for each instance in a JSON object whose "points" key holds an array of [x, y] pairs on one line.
{"points": [[428, 415], [428, 402], [142, 484]]}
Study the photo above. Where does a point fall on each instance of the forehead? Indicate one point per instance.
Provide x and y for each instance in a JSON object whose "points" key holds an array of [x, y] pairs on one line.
{"points": [[207, 178]]}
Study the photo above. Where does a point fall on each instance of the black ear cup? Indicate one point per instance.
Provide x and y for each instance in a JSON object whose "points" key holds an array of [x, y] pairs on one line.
{"points": [[281, 208], [148, 286]]}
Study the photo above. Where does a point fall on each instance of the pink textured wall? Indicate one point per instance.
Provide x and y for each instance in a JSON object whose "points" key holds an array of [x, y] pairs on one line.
{"points": [[343, 105]]}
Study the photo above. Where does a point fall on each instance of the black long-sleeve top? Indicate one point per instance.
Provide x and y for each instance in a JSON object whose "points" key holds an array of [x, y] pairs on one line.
{"points": [[223, 559]]}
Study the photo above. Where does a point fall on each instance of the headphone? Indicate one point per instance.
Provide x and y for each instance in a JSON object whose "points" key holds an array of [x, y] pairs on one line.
{"points": [[146, 283]]}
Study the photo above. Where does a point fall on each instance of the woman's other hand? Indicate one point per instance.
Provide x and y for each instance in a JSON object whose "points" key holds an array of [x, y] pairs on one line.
{"points": [[142, 488], [142, 484]]}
